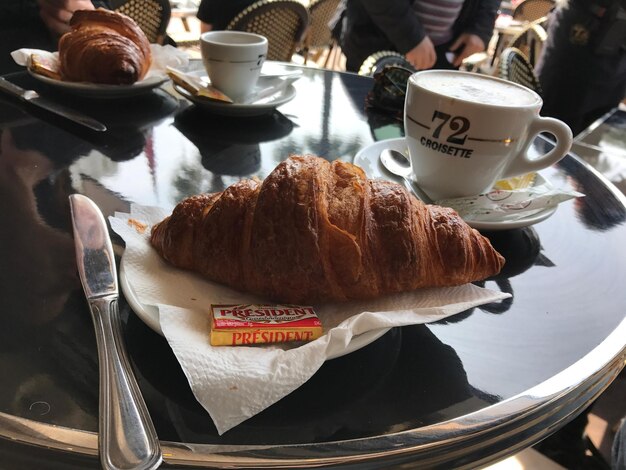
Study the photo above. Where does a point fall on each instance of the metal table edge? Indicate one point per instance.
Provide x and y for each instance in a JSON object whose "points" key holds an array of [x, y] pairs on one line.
{"points": [[459, 442]]}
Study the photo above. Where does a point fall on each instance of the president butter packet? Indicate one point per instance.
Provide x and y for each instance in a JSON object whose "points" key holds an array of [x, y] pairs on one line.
{"points": [[233, 325]]}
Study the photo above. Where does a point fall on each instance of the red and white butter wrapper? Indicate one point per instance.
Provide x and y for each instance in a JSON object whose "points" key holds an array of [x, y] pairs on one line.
{"points": [[233, 325]]}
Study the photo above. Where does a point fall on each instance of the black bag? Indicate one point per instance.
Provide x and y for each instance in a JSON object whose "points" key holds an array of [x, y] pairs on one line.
{"points": [[389, 90]]}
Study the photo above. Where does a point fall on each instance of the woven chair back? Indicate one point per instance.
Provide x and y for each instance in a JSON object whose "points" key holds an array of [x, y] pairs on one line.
{"points": [[515, 67], [320, 14], [377, 61], [152, 16], [530, 42], [282, 22], [531, 10]]}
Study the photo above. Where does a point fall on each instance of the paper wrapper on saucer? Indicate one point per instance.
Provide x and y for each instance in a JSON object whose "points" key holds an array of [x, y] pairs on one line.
{"points": [[234, 383], [511, 204], [199, 86], [195, 86]]}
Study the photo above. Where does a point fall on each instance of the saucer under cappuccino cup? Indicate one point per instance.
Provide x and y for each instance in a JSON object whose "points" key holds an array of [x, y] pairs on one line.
{"points": [[465, 131], [233, 60]]}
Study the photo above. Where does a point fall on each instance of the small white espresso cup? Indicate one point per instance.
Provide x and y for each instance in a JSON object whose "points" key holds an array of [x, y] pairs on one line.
{"points": [[465, 131], [233, 60]]}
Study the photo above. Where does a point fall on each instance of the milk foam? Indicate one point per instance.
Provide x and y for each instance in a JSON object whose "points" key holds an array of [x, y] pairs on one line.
{"points": [[475, 88]]}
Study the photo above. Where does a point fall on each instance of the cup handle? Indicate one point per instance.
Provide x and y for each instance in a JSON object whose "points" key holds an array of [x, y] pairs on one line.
{"points": [[523, 164]]}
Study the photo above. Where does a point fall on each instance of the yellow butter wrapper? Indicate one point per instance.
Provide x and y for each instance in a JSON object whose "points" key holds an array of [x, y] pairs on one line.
{"points": [[516, 182], [233, 325]]}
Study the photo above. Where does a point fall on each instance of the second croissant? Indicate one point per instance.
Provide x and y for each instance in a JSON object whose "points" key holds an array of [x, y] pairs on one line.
{"points": [[315, 231], [104, 47]]}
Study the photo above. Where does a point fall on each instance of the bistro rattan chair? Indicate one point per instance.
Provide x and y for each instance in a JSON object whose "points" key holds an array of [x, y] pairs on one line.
{"points": [[152, 16], [319, 35], [515, 67], [282, 22], [530, 41], [531, 10], [377, 61]]}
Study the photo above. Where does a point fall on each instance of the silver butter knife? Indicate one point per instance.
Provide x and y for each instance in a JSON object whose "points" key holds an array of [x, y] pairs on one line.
{"points": [[33, 97], [127, 439]]}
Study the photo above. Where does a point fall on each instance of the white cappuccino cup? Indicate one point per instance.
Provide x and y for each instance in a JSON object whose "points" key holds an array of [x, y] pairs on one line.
{"points": [[233, 61], [465, 131]]}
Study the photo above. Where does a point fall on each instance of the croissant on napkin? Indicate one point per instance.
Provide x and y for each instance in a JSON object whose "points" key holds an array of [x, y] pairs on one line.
{"points": [[104, 47], [316, 231]]}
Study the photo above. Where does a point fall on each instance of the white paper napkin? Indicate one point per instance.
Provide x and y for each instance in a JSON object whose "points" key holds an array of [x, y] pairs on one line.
{"points": [[503, 205], [162, 57], [235, 383]]}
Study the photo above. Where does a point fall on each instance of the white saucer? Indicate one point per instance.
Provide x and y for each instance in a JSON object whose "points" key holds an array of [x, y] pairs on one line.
{"points": [[368, 159], [260, 108], [94, 90], [149, 314]]}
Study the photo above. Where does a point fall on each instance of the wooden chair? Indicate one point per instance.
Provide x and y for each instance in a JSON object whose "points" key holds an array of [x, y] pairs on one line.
{"points": [[377, 61], [319, 36], [152, 16], [531, 10], [515, 67], [530, 41], [282, 22]]}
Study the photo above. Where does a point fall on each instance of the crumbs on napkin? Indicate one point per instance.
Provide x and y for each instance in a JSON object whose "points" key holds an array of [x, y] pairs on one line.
{"points": [[233, 325], [140, 227]]}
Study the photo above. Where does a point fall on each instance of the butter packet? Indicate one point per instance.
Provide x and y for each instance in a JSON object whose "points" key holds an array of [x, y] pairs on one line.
{"points": [[516, 182], [46, 65], [248, 324]]}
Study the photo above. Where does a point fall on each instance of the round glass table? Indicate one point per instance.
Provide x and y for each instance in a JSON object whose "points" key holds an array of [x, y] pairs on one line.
{"points": [[463, 392]]}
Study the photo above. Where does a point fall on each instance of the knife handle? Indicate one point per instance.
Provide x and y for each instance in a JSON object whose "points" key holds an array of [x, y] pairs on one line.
{"points": [[11, 88], [127, 437]]}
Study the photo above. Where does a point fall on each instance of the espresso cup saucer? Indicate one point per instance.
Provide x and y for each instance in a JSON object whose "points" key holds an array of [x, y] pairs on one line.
{"points": [[263, 106], [368, 158], [97, 90]]}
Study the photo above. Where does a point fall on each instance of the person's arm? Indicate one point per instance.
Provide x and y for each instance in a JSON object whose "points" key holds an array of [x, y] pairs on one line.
{"points": [[56, 14], [477, 28], [206, 15], [423, 56], [397, 20], [464, 46]]}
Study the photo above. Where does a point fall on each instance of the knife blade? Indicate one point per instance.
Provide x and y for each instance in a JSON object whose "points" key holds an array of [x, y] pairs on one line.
{"points": [[127, 438], [31, 96]]}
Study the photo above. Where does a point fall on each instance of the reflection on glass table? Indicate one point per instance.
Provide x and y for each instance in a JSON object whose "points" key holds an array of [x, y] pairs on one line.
{"points": [[603, 146]]}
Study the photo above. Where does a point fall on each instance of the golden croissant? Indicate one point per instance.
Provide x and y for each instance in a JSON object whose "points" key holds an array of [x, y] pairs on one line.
{"points": [[104, 47], [316, 231]]}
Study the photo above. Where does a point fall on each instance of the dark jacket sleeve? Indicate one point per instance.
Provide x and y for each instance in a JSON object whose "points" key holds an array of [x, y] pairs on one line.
{"points": [[478, 17], [397, 20], [101, 4]]}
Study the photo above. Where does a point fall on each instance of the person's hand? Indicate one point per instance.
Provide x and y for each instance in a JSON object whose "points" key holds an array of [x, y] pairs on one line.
{"points": [[467, 44], [423, 55], [56, 14], [204, 27]]}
